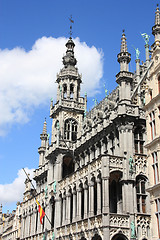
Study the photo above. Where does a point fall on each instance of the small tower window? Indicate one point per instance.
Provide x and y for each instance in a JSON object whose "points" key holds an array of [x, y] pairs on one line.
{"points": [[71, 91], [138, 141], [141, 194], [64, 91], [70, 130]]}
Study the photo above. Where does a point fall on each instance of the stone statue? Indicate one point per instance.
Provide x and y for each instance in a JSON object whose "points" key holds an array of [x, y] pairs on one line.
{"points": [[85, 113], [137, 53], [46, 192], [106, 92], [44, 236], [131, 164], [48, 136], [145, 37], [53, 236], [58, 126], [132, 230], [95, 101], [54, 187]]}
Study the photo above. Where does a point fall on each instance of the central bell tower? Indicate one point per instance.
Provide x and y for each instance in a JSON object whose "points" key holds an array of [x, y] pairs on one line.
{"points": [[67, 113]]}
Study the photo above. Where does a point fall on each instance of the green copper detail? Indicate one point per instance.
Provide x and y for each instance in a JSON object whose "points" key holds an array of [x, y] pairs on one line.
{"points": [[54, 186], [131, 165], [145, 37], [46, 192], [51, 99], [106, 92], [95, 101], [53, 236], [132, 230]]}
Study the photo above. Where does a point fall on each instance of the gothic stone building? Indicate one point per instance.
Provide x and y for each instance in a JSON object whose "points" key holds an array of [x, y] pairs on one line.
{"points": [[92, 178]]}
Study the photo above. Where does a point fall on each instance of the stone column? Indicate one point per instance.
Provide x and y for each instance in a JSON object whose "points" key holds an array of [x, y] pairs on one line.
{"points": [[64, 211], [99, 196], [68, 209], [147, 53], [74, 206], [79, 204], [57, 221], [91, 199], [50, 172], [22, 228], [85, 201]]}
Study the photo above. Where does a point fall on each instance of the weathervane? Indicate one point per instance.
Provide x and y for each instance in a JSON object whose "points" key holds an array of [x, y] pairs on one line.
{"points": [[71, 21]]}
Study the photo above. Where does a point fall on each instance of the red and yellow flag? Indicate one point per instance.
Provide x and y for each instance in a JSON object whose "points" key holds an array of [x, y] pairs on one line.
{"points": [[40, 210]]}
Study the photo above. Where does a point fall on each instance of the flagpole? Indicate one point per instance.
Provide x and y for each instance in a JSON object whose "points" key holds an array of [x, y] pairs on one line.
{"points": [[35, 196]]}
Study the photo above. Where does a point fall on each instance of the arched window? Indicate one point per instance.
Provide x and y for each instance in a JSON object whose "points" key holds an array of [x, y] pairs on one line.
{"points": [[64, 91], [68, 166], [115, 192], [70, 129], [138, 140], [71, 91], [141, 194]]}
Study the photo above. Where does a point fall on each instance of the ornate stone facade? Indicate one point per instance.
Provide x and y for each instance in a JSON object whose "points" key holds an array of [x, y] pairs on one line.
{"points": [[92, 178]]}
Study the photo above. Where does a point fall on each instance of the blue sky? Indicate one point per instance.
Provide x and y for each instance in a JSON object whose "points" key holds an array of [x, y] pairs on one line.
{"points": [[97, 32]]}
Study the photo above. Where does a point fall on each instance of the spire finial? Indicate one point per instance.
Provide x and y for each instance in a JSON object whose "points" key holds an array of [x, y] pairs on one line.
{"points": [[71, 21], [157, 16], [123, 42], [45, 127]]}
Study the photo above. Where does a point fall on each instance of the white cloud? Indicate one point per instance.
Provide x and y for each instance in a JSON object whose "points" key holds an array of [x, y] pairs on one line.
{"points": [[13, 192], [27, 79]]}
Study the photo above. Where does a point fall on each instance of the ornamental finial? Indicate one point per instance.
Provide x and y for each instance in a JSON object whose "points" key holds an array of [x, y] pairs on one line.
{"points": [[71, 22]]}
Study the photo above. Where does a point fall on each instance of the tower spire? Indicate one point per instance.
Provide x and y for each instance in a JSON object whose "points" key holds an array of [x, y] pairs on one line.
{"points": [[44, 127], [124, 77], [157, 16], [156, 27], [124, 57], [123, 42]]}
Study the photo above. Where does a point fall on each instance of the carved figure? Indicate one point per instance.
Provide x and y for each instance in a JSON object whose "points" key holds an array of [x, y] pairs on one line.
{"points": [[95, 101], [54, 187], [44, 236], [46, 192], [137, 53], [53, 236], [131, 164], [132, 230], [106, 92], [145, 37], [58, 126]]}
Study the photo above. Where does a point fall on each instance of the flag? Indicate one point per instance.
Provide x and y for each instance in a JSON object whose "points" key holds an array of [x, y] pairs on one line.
{"points": [[40, 210]]}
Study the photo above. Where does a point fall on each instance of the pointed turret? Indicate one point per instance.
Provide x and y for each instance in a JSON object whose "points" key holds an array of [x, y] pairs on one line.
{"points": [[42, 149], [156, 27], [124, 77], [69, 79], [124, 57], [1, 212]]}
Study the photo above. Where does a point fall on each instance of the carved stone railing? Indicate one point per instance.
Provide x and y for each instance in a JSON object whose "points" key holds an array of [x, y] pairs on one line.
{"points": [[119, 220], [81, 174], [140, 164], [68, 104], [115, 163], [143, 226], [79, 227], [119, 223]]}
